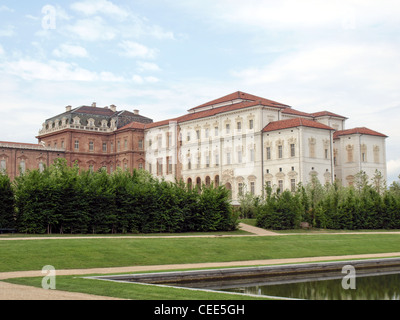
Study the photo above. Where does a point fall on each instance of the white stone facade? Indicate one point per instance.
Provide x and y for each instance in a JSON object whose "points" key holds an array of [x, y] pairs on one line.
{"points": [[246, 142]]}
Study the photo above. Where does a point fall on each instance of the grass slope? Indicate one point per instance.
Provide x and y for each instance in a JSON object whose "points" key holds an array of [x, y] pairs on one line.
{"points": [[20, 255]]}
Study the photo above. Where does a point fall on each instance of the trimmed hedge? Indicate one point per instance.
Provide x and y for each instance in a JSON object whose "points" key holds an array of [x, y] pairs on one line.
{"points": [[362, 206], [62, 199], [7, 216]]}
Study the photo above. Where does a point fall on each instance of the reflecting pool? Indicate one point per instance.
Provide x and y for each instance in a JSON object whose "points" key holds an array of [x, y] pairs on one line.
{"points": [[376, 286]]}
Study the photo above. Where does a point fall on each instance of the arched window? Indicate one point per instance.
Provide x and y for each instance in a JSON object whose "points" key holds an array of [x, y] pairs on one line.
{"points": [[228, 186], [216, 181]]}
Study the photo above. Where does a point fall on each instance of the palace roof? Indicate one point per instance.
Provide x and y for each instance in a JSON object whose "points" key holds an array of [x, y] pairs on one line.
{"points": [[239, 97], [361, 131], [293, 123]]}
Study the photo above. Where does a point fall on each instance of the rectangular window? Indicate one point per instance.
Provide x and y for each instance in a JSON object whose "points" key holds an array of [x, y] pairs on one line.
{"points": [[293, 185], [118, 145], [188, 136], [251, 124], [76, 144], [198, 134], [62, 144], [112, 146], [239, 156], [228, 158], [252, 155], [140, 166], [207, 160], [91, 146], [3, 166], [140, 144], [228, 128], [198, 161], [292, 150], [216, 131], [207, 133], [240, 189], [189, 163], [280, 186], [104, 146], [280, 152], [252, 188], [326, 153], [150, 169], [376, 154], [239, 126], [126, 144], [159, 167], [217, 160], [169, 165], [349, 155], [268, 153]]}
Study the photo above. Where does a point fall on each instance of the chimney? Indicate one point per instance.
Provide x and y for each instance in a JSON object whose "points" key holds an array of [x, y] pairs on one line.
{"points": [[94, 104], [113, 108], [136, 112], [68, 108]]}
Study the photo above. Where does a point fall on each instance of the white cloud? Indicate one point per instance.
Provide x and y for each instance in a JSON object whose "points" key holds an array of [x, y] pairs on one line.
{"points": [[1, 50], [28, 69], [393, 169], [293, 14], [359, 76], [110, 77], [133, 49], [147, 66], [142, 80], [94, 7], [68, 50], [93, 29], [8, 31], [137, 79], [4, 8], [52, 70], [151, 79]]}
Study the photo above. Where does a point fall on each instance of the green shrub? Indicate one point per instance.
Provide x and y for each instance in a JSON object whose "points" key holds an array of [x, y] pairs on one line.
{"points": [[63, 200], [7, 214]]}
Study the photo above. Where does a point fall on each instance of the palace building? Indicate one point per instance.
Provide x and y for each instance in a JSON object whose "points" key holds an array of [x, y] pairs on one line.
{"points": [[241, 141]]}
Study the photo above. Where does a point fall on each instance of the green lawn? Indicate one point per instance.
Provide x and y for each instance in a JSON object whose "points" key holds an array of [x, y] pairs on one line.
{"points": [[130, 291], [20, 255]]}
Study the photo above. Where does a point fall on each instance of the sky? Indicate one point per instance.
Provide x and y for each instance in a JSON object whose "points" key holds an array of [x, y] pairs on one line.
{"points": [[164, 57]]}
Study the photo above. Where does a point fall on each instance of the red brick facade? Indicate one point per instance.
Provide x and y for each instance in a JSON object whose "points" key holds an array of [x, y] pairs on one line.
{"points": [[19, 157], [123, 148], [94, 138]]}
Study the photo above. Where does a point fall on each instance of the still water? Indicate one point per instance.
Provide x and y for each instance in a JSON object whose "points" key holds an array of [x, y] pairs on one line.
{"points": [[376, 286]]}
